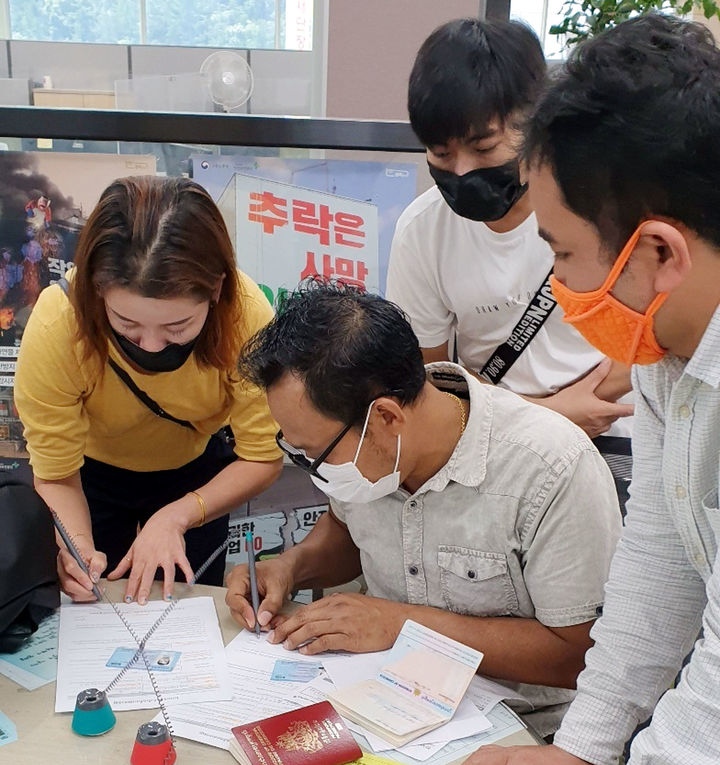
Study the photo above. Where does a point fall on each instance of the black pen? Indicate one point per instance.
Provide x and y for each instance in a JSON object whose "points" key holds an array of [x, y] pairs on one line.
{"points": [[254, 595], [74, 552]]}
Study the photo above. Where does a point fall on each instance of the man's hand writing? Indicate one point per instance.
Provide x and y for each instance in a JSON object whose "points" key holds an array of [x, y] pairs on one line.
{"points": [[275, 583], [341, 622]]}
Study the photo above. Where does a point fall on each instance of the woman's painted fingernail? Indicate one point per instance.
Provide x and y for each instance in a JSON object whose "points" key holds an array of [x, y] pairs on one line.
{"points": [[128, 599]]}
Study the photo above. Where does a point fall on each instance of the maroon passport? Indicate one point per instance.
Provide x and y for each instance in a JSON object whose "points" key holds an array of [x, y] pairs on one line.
{"points": [[315, 734]]}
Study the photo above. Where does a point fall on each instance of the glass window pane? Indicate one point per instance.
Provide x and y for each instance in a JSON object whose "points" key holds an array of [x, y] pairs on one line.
{"points": [[541, 16], [230, 23], [529, 11], [113, 21]]}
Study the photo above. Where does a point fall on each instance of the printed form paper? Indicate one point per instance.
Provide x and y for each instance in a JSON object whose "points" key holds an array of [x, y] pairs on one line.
{"points": [[255, 695], [35, 664], [504, 722], [8, 731], [90, 634], [486, 694]]}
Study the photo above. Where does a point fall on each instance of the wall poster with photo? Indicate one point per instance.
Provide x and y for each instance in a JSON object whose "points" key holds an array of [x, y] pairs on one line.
{"points": [[45, 199]]}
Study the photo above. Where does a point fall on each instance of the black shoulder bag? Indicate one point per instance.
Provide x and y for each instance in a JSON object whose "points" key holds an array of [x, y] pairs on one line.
{"points": [[29, 588]]}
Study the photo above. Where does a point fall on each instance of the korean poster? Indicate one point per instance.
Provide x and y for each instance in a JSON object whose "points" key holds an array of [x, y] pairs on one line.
{"points": [[353, 233]]}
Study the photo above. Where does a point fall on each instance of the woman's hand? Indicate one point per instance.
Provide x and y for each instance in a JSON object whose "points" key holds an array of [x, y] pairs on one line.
{"points": [[65, 496], [73, 580], [160, 544]]}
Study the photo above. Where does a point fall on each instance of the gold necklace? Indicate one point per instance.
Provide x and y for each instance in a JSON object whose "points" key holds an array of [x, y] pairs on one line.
{"points": [[463, 419]]}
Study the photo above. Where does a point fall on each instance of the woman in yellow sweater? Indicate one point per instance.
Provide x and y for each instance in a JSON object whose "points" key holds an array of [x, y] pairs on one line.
{"points": [[126, 371]]}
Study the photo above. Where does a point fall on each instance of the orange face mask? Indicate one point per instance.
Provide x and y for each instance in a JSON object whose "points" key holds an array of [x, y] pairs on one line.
{"points": [[619, 332]]}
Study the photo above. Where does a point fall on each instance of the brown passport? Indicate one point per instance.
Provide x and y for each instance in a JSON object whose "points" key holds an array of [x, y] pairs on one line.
{"points": [[315, 734]]}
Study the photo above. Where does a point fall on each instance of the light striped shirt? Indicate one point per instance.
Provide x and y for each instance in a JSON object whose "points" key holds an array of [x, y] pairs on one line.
{"points": [[664, 581]]}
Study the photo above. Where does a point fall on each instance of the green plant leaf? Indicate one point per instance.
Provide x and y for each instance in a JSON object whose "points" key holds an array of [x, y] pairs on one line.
{"points": [[586, 18]]}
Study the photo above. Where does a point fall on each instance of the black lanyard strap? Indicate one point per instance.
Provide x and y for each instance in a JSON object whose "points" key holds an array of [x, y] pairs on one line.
{"points": [[150, 403], [533, 318], [139, 393]]}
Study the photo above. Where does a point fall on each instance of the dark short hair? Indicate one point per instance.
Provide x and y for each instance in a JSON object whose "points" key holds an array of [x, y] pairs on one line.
{"points": [[630, 129], [347, 346], [469, 72]]}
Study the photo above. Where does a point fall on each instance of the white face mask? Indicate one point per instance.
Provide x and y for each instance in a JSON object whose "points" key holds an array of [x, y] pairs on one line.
{"points": [[346, 483]]}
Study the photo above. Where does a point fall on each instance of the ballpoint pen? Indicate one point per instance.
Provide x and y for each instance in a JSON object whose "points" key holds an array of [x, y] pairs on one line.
{"points": [[255, 597], [74, 552]]}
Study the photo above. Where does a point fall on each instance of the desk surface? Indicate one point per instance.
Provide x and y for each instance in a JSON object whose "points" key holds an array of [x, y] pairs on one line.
{"points": [[46, 737]]}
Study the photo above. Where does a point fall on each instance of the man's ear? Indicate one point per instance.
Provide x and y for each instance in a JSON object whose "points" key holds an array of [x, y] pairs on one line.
{"points": [[674, 260], [392, 414]]}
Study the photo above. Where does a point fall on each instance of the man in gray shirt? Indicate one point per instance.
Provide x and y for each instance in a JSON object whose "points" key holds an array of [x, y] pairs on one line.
{"points": [[467, 509], [624, 165]]}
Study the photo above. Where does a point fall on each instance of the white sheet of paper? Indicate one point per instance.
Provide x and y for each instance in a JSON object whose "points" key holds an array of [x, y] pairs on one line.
{"points": [[486, 693], [8, 731], [35, 664], [419, 752], [467, 721], [504, 722], [255, 696], [89, 633]]}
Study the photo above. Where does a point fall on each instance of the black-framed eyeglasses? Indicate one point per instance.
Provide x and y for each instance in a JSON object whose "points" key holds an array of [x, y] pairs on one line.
{"points": [[299, 458]]}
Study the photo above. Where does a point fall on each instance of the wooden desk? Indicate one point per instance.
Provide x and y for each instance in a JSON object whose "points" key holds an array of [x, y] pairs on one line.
{"points": [[75, 99], [46, 738]]}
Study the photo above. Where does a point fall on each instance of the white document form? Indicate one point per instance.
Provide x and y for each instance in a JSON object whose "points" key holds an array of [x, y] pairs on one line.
{"points": [[486, 693], [91, 633], [35, 664], [255, 695], [467, 721], [504, 722]]}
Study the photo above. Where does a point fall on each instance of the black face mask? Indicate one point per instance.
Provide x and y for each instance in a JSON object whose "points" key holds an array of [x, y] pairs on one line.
{"points": [[170, 358], [484, 194]]}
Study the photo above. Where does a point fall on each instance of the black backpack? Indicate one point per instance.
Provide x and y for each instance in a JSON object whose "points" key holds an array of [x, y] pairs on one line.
{"points": [[29, 589]]}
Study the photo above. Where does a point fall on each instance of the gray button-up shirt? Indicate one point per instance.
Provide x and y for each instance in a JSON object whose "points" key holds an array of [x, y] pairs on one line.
{"points": [[664, 581], [521, 521]]}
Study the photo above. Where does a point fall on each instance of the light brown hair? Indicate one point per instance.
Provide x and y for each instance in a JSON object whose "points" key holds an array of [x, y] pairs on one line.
{"points": [[161, 238]]}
